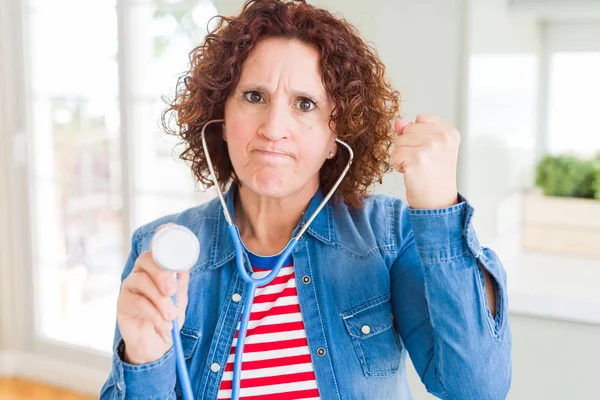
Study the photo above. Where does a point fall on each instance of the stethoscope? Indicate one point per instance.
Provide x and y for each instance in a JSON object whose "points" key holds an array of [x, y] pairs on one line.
{"points": [[176, 249]]}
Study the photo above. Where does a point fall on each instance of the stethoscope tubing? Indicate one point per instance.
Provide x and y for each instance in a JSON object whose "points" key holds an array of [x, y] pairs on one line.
{"points": [[182, 372], [250, 292], [252, 283]]}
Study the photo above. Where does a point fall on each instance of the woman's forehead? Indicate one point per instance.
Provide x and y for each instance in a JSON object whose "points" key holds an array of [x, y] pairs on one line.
{"points": [[277, 61]]}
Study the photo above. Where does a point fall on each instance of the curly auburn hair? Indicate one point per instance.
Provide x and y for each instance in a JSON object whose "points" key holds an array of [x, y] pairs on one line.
{"points": [[353, 76]]}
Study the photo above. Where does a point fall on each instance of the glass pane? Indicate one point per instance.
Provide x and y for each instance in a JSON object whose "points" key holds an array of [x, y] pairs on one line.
{"points": [[501, 137], [70, 5], [574, 103], [76, 171], [162, 183], [162, 34]]}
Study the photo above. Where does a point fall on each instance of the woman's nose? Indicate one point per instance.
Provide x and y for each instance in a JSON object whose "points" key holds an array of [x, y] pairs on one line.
{"points": [[275, 125]]}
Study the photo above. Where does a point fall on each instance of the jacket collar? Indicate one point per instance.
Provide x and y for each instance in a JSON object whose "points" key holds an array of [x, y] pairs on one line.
{"points": [[222, 250]]}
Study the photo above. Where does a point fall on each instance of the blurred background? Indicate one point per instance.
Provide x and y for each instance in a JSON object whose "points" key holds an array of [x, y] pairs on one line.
{"points": [[83, 163]]}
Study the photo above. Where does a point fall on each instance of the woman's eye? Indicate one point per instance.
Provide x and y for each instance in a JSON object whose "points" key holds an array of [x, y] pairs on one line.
{"points": [[253, 97], [305, 105]]}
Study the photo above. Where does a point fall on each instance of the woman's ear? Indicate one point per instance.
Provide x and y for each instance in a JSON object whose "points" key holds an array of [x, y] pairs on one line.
{"points": [[332, 151]]}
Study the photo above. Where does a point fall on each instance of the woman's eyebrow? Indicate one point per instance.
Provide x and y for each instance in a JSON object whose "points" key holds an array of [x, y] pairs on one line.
{"points": [[318, 97]]}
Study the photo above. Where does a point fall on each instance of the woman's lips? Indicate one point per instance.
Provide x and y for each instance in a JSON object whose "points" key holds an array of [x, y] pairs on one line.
{"points": [[275, 154]]}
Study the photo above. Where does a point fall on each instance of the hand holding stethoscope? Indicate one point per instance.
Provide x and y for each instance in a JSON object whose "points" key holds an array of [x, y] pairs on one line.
{"points": [[145, 308]]}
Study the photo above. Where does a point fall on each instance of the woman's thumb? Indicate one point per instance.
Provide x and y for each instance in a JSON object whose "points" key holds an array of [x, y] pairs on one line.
{"points": [[400, 124]]}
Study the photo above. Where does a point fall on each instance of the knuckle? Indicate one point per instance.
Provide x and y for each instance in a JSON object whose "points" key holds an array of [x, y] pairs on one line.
{"points": [[456, 136], [180, 305], [158, 321], [127, 283], [164, 326], [144, 261], [444, 139], [420, 157], [138, 302], [145, 256], [425, 118], [139, 282], [167, 305], [396, 160]]}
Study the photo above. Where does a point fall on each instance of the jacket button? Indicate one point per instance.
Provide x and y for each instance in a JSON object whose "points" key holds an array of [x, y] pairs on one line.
{"points": [[366, 329], [214, 367], [119, 386], [236, 297], [306, 279], [321, 351]]}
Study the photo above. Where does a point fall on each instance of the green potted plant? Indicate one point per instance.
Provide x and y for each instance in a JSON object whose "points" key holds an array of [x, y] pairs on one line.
{"points": [[596, 183], [562, 214]]}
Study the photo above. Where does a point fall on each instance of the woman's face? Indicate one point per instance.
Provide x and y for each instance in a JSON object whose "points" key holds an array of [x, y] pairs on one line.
{"points": [[277, 120]]}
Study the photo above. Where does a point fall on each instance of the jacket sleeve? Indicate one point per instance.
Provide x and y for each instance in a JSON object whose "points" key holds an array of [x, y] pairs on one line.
{"points": [[153, 381], [440, 305]]}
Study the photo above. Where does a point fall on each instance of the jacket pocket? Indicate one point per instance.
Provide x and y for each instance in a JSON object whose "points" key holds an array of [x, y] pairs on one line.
{"points": [[374, 339], [189, 341]]}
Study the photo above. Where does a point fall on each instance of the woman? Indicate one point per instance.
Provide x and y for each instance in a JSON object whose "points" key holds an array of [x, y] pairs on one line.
{"points": [[373, 278]]}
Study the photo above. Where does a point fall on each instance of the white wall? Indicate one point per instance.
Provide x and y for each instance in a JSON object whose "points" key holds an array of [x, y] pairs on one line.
{"points": [[554, 360]]}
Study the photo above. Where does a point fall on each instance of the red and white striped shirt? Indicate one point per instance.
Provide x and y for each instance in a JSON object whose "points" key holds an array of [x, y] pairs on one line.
{"points": [[276, 363]]}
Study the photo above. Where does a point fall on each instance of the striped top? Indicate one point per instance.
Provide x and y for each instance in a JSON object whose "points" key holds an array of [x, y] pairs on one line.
{"points": [[276, 364]]}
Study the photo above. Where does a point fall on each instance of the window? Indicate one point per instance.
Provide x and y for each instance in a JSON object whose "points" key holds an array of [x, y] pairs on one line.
{"points": [[573, 125], [95, 111], [500, 146]]}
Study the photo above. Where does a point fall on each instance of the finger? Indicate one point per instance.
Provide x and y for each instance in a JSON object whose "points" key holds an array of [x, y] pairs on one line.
{"points": [[167, 337], [398, 158], [441, 133], [141, 307], [433, 120], [400, 124], [181, 297], [402, 158], [140, 283], [183, 279], [410, 140], [164, 280], [419, 128]]}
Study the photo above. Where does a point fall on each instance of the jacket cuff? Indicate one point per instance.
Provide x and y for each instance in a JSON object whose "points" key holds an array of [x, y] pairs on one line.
{"points": [[154, 380], [444, 233]]}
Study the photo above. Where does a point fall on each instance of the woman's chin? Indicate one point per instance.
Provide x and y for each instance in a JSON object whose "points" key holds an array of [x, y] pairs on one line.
{"points": [[273, 185]]}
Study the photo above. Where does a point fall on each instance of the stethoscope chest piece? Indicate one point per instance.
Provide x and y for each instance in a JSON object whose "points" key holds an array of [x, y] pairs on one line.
{"points": [[175, 248]]}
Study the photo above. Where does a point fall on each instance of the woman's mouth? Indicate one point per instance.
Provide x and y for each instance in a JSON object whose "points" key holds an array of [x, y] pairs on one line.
{"points": [[275, 154]]}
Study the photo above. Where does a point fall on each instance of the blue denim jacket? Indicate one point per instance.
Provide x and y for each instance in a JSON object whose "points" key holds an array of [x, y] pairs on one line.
{"points": [[413, 276]]}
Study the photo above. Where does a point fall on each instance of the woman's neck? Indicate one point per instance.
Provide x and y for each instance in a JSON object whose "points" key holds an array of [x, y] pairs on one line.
{"points": [[266, 224]]}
